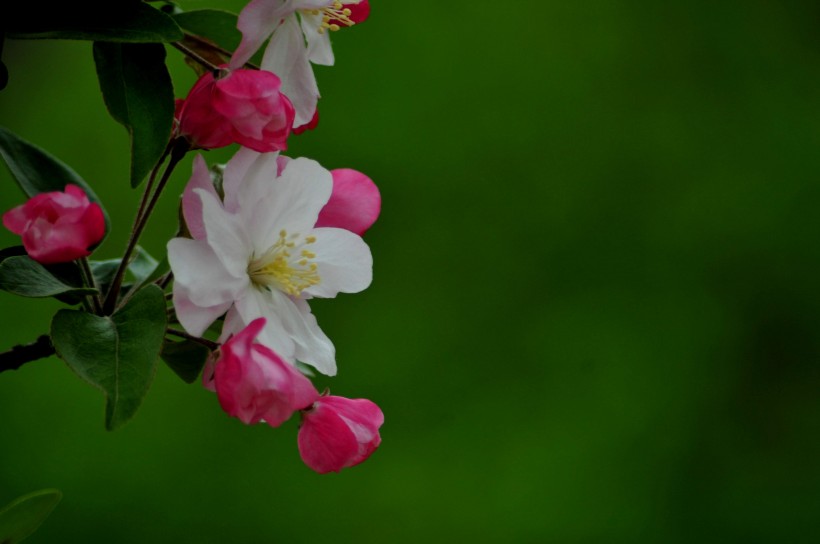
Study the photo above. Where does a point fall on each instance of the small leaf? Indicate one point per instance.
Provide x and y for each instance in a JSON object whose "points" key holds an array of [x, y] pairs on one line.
{"points": [[185, 358], [104, 272], [24, 515], [26, 277], [139, 95], [117, 354], [118, 21], [36, 171]]}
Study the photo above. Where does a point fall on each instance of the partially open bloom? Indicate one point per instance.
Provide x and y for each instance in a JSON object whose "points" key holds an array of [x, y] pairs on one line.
{"points": [[296, 42], [337, 432], [243, 106], [254, 384], [259, 254], [59, 226]]}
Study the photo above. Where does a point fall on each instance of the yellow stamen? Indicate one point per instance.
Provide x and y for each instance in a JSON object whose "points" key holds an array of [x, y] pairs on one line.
{"points": [[274, 267], [337, 13]]}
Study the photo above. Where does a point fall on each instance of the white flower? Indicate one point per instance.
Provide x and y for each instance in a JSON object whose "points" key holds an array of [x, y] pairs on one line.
{"points": [[257, 254], [299, 38]]}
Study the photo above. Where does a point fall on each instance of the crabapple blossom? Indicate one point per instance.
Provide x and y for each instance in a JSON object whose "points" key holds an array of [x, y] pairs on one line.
{"points": [[296, 42], [254, 384], [338, 432], [243, 106], [258, 253], [354, 204], [58, 226]]}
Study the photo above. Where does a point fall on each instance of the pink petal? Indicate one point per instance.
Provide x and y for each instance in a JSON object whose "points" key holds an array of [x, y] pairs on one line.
{"points": [[354, 204]]}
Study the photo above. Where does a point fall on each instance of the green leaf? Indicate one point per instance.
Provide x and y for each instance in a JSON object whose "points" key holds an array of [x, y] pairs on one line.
{"points": [[24, 515], [26, 277], [104, 272], [139, 95], [117, 354], [119, 21], [36, 171], [142, 265], [185, 358]]}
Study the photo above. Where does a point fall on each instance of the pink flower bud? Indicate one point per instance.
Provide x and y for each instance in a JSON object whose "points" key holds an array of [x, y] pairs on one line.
{"points": [[354, 204], [254, 384], [243, 106], [57, 227], [338, 432]]}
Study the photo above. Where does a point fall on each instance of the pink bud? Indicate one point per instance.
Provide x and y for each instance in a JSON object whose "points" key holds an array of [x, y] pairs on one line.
{"points": [[254, 384], [338, 432], [243, 106], [57, 227], [354, 204]]}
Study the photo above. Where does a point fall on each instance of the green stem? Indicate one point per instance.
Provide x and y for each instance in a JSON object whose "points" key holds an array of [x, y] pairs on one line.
{"points": [[178, 149], [89, 281]]}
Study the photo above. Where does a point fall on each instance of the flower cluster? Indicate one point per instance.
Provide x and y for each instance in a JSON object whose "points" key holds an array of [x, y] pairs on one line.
{"points": [[257, 244]]}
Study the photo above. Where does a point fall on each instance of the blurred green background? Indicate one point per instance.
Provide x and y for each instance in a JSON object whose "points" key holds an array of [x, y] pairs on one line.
{"points": [[595, 310]]}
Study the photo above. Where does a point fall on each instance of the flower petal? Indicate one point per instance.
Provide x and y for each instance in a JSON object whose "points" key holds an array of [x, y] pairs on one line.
{"points": [[287, 57], [313, 347], [344, 263], [201, 273], [226, 235], [191, 203], [193, 318], [256, 22], [354, 204]]}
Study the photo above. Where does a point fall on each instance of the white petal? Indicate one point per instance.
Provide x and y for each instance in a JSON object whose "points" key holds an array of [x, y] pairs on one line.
{"points": [[344, 262], [259, 303], [193, 318], [226, 236], [318, 44], [191, 203], [256, 22], [199, 271], [313, 347], [292, 203], [234, 173], [287, 57]]}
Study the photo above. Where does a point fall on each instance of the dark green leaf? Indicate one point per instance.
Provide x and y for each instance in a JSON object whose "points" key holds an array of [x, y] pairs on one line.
{"points": [[117, 354], [139, 95], [24, 515], [185, 358], [26, 277], [118, 21], [104, 272], [36, 171]]}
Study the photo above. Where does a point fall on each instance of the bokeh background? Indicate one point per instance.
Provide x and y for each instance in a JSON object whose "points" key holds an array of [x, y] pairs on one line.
{"points": [[595, 311]]}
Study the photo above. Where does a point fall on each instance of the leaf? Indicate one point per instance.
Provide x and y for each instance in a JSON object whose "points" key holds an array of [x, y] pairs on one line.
{"points": [[104, 272], [142, 265], [185, 358], [21, 275], [36, 171], [24, 515], [117, 354], [217, 27], [139, 95], [119, 21]]}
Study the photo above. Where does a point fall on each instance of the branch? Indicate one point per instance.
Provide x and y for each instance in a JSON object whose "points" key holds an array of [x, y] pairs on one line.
{"points": [[22, 354]]}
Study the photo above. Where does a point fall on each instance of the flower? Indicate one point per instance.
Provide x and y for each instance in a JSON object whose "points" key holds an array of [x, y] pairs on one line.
{"points": [[58, 226], [296, 42], [354, 204], [254, 384], [337, 432], [259, 254], [243, 106]]}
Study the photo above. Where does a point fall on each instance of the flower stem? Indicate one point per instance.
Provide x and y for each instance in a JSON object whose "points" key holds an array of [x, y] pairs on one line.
{"points": [[178, 148], [196, 56], [88, 280], [213, 346], [22, 354]]}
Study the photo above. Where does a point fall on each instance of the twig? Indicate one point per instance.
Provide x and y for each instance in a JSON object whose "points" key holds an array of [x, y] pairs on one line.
{"points": [[22, 354]]}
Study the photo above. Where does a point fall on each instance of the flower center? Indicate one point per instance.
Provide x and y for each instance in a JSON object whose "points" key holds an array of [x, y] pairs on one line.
{"points": [[286, 265], [332, 17]]}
